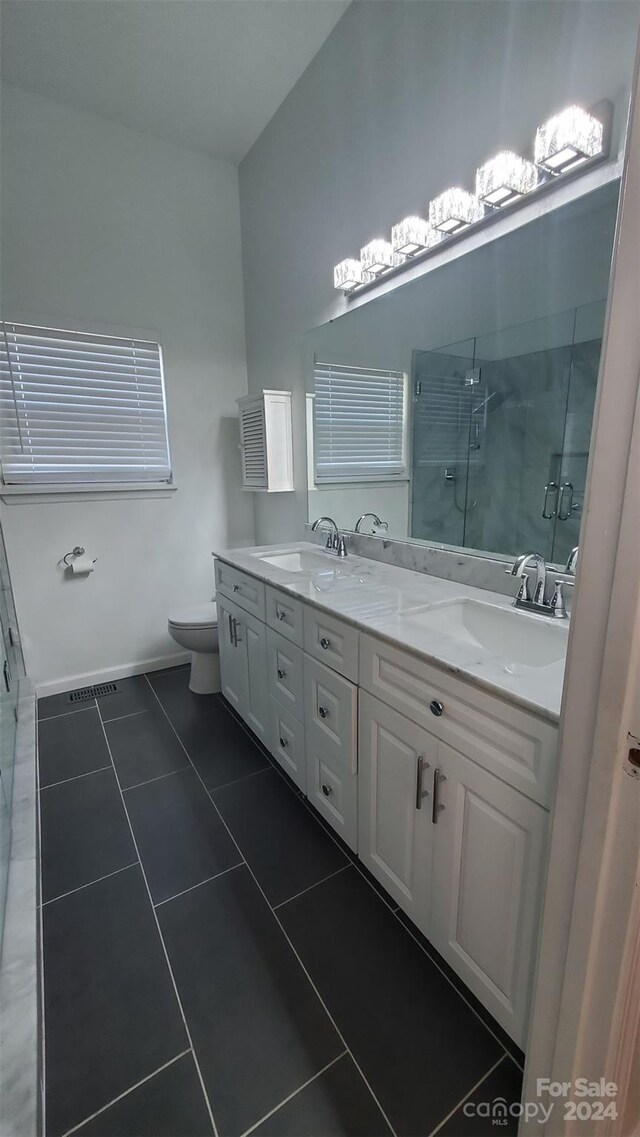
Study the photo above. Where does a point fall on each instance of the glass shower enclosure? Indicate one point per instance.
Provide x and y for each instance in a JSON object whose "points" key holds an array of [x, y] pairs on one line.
{"points": [[501, 430]]}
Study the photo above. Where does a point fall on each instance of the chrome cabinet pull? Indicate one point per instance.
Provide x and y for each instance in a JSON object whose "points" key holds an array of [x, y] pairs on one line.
{"points": [[436, 707], [438, 778], [323, 712], [550, 490], [230, 619], [283, 743], [281, 673], [325, 643], [327, 790], [236, 588], [565, 513], [420, 793], [280, 615], [236, 638]]}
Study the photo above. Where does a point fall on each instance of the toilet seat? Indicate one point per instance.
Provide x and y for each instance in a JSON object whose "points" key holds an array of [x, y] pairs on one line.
{"points": [[195, 616]]}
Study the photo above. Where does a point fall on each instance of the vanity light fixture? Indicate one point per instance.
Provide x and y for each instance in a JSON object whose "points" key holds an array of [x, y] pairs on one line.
{"points": [[347, 275], [505, 178], [377, 257], [568, 139], [413, 235], [454, 210]]}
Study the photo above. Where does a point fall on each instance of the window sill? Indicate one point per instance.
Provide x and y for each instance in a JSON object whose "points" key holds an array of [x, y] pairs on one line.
{"points": [[37, 494]]}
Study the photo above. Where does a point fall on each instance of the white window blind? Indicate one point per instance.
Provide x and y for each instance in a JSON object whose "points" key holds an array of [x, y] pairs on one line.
{"points": [[77, 407], [359, 424]]}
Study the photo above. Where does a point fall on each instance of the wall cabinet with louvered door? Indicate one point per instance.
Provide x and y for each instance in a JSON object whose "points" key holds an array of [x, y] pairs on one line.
{"points": [[266, 442]]}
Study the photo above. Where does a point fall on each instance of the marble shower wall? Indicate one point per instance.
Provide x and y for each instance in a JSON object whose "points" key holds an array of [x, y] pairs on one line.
{"points": [[534, 414]]}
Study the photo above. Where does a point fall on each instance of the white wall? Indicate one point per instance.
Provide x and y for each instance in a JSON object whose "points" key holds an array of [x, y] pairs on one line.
{"points": [[402, 100], [104, 225]]}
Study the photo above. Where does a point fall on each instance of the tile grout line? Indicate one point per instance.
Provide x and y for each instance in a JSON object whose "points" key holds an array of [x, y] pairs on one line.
{"points": [[452, 984], [63, 714], [119, 718], [253, 774], [282, 929], [159, 929], [295, 1093], [311, 886], [89, 883], [467, 1095], [158, 778], [126, 1092], [357, 866], [75, 778], [199, 884]]}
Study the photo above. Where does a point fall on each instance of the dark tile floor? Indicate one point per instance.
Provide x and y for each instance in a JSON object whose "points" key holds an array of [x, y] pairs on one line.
{"points": [[216, 961]]}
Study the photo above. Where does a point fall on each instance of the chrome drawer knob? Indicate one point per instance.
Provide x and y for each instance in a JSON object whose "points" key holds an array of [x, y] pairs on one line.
{"points": [[280, 615], [236, 588], [436, 707], [323, 712], [281, 673], [283, 743], [326, 790], [325, 643]]}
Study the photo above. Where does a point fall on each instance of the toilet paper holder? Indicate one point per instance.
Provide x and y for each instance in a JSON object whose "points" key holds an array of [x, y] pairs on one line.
{"points": [[77, 551]]}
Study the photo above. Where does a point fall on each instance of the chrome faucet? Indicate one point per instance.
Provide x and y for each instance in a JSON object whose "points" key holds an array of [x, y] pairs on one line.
{"points": [[572, 560], [335, 541], [376, 521], [556, 606], [522, 563]]}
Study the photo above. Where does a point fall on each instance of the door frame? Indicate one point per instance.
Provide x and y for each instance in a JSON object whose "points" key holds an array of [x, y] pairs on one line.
{"points": [[586, 1007]]}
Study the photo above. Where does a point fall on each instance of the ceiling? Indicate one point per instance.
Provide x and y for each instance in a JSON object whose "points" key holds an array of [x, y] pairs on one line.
{"points": [[207, 74]]}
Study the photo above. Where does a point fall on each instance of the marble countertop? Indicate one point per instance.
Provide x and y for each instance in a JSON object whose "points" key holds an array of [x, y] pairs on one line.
{"points": [[379, 599]]}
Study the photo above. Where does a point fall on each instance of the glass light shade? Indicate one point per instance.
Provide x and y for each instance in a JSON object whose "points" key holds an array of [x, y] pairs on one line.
{"points": [[454, 209], [568, 139], [505, 178], [347, 275], [413, 235], [377, 257]]}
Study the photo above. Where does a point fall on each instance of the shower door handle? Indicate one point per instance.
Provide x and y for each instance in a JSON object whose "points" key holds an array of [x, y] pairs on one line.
{"points": [[565, 513], [550, 491]]}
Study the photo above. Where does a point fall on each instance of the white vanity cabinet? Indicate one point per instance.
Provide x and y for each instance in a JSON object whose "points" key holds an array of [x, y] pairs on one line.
{"points": [[243, 665], [440, 786]]}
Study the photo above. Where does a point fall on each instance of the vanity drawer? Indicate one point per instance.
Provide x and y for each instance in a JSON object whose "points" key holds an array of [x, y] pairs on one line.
{"points": [[331, 641], [284, 673], [239, 586], [287, 744], [333, 792], [512, 743], [286, 615], [330, 711]]}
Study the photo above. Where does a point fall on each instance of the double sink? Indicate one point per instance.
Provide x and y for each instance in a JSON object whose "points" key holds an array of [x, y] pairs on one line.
{"points": [[524, 638]]}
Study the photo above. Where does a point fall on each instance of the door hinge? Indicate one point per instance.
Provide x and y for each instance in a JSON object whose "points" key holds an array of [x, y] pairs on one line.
{"points": [[418, 387]]}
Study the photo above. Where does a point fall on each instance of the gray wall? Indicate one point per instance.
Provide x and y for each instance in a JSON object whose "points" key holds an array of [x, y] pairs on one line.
{"points": [[403, 99]]}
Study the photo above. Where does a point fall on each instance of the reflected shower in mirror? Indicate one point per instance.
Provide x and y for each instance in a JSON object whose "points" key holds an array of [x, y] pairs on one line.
{"points": [[481, 444]]}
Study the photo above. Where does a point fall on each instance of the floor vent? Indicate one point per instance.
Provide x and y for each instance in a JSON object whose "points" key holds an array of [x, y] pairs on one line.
{"points": [[95, 692]]}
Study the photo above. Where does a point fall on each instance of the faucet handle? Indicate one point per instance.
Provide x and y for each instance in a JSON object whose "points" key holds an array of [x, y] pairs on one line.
{"points": [[341, 546], [329, 543], [557, 600]]}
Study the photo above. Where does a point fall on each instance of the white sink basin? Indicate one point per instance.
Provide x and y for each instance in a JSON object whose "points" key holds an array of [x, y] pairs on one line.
{"points": [[299, 561], [535, 641]]}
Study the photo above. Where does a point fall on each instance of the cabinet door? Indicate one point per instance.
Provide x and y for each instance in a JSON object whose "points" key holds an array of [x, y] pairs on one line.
{"points": [[489, 843], [252, 637], [233, 659], [395, 832]]}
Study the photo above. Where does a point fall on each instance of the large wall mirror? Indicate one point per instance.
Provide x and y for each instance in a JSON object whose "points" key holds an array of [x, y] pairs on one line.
{"points": [[457, 408]]}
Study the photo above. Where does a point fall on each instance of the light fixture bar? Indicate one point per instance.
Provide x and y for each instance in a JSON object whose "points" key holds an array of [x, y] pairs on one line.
{"points": [[377, 257], [347, 275]]}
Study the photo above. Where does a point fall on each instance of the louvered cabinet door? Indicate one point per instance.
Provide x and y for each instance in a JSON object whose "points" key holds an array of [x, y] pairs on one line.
{"points": [[253, 445]]}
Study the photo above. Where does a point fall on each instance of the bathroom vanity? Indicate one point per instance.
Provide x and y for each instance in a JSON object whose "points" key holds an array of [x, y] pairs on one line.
{"points": [[419, 716]]}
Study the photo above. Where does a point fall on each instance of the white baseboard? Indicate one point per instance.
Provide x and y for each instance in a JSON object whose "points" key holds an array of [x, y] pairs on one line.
{"points": [[109, 674]]}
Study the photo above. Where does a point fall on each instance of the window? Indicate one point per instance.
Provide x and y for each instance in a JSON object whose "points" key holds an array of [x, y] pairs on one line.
{"points": [[77, 408], [359, 424]]}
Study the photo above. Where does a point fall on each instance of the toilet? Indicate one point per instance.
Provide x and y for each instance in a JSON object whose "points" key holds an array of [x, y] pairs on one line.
{"points": [[196, 628]]}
